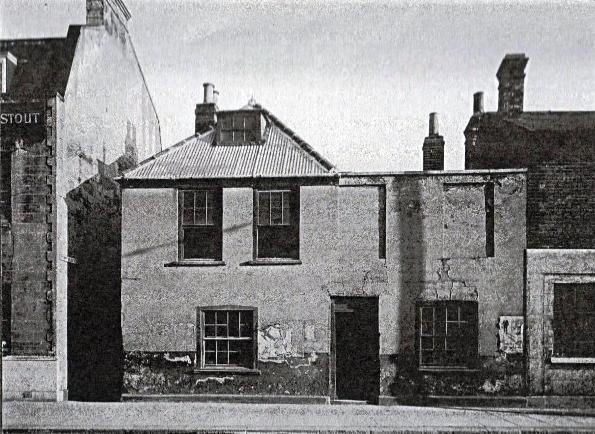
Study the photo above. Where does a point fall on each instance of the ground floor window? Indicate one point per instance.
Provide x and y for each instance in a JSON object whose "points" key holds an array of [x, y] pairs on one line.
{"points": [[574, 319], [447, 334], [227, 337]]}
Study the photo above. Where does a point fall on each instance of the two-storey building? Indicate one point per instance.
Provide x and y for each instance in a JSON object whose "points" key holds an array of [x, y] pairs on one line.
{"points": [[251, 266]]}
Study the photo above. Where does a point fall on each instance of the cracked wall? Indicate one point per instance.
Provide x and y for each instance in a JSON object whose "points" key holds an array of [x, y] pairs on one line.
{"points": [[339, 251]]}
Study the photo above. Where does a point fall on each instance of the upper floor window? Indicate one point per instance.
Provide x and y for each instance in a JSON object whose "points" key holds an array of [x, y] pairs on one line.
{"points": [[447, 334], [239, 126], [277, 224], [574, 319], [200, 224]]}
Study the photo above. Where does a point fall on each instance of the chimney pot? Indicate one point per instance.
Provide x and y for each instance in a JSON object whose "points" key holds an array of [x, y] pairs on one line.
{"points": [[209, 88], [434, 124], [477, 102]]}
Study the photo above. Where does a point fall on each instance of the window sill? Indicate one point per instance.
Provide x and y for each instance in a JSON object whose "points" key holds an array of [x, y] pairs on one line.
{"points": [[573, 360], [235, 370], [280, 261], [196, 263], [446, 369]]}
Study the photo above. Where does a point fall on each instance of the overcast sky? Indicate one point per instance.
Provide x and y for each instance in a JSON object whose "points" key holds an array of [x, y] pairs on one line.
{"points": [[356, 80]]}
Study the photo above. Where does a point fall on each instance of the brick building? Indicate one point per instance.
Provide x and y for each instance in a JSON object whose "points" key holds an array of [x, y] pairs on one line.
{"points": [[558, 149], [251, 266], [74, 112]]}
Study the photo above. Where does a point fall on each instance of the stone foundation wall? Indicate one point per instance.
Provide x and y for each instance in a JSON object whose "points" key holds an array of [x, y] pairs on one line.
{"points": [[163, 373], [499, 375]]}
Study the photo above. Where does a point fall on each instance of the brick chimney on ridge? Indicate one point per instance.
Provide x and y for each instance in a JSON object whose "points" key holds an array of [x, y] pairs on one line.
{"points": [[206, 113], [511, 77], [433, 148], [103, 12]]}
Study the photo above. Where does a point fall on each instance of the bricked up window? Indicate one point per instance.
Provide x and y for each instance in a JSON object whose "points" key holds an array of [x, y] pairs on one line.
{"points": [[277, 223], [200, 233], [574, 319], [468, 215], [447, 334], [227, 337]]}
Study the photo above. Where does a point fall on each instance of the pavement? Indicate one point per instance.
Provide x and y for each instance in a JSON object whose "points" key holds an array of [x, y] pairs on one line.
{"points": [[316, 418]]}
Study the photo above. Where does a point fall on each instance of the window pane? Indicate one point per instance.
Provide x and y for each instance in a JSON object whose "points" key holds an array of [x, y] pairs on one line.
{"points": [[452, 313], [188, 207], [427, 314], [234, 324], [225, 121], [210, 208], [222, 354], [238, 121], [226, 136], [427, 358], [427, 328], [188, 199], [246, 324], [264, 207], [427, 343], [286, 208], [278, 241], [202, 242], [276, 208], [250, 121], [252, 135], [188, 218]]}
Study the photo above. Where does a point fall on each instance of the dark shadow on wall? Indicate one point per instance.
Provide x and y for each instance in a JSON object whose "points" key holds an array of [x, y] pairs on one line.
{"points": [[95, 352], [408, 385]]}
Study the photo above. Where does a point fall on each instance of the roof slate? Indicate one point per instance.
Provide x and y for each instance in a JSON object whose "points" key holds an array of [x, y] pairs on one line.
{"points": [[280, 154], [43, 65], [536, 121]]}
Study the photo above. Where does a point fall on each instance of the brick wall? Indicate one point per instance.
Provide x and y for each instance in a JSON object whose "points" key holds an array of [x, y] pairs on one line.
{"points": [[560, 179], [561, 206], [27, 233]]}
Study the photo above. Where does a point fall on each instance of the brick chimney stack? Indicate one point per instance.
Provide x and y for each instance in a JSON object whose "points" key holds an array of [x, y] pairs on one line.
{"points": [[100, 12], [511, 77], [206, 113], [433, 148]]}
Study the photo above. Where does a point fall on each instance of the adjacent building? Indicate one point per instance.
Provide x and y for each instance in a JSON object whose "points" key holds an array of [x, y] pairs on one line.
{"points": [[252, 266], [74, 112], [558, 149]]}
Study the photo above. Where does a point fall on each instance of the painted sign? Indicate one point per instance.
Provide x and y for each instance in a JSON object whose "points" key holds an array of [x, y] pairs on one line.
{"points": [[22, 120], [510, 333]]}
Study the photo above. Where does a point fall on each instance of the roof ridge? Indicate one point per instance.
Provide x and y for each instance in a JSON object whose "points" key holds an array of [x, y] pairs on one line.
{"points": [[301, 142]]}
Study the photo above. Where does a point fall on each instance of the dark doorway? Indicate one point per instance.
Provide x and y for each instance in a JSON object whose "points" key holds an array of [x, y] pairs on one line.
{"points": [[356, 373]]}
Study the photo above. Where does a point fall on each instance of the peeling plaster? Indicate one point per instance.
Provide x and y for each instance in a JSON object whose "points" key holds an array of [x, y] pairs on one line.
{"points": [[274, 343]]}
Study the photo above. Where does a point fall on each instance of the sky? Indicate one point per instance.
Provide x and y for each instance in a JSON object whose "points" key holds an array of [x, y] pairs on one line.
{"points": [[357, 80]]}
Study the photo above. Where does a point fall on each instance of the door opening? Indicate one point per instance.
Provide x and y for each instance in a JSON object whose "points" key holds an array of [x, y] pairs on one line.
{"points": [[355, 371]]}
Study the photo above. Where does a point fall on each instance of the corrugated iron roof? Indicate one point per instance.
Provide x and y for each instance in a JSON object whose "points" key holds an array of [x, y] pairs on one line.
{"points": [[281, 153]]}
